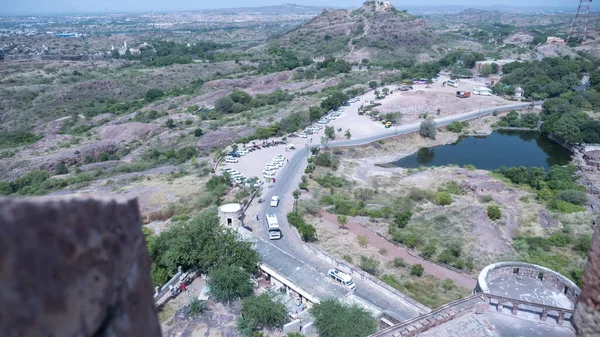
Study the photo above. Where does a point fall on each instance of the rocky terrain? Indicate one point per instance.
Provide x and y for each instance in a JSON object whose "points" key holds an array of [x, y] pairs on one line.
{"points": [[372, 26]]}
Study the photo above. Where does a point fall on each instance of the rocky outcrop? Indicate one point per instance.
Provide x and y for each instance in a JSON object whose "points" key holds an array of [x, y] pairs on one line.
{"points": [[375, 25], [587, 311], [74, 267]]}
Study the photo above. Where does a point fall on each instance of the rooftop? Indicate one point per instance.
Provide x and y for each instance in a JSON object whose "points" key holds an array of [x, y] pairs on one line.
{"points": [[494, 324], [528, 289]]}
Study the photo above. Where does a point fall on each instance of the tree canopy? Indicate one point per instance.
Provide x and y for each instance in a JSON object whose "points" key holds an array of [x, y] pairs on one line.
{"points": [[229, 282], [334, 319], [199, 243]]}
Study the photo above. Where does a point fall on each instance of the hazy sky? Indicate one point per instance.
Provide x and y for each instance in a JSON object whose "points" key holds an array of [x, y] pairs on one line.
{"points": [[90, 6]]}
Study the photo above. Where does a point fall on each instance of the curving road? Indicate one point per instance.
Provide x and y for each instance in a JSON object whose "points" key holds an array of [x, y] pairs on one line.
{"points": [[289, 179]]}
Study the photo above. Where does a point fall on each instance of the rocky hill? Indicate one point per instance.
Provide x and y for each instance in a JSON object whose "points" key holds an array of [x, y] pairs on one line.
{"points": [[377, 25]]}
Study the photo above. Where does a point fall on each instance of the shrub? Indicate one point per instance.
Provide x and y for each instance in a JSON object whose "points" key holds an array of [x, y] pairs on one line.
{"points": [[264, 310], [363, 241], [429, 250], [448, 285], [417, 270], [196, 307], [427, 129], [334, 319], [154, 94], [17, 138], [369, 264], [399, 262], [61, 168], [383, 251], [485, 198], [307, 232], [457, 126], [494, 212], [229, 283], [583, 244], [443, 198], [417, 194], [564, 207], [347, 258], [198, 133], [170, 123], [295, 219], [401, 219], [574, 197]]}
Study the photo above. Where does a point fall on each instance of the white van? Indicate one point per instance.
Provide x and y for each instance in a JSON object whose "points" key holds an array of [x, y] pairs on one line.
{"points": [[342, 278], [452, 83], [483, 91], [231, 160]]}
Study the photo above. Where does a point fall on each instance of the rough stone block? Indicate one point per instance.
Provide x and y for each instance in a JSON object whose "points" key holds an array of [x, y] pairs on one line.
{"points": [[74, 267], [587, 311]]}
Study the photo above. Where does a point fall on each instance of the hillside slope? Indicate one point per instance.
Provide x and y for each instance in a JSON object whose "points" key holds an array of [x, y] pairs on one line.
{"points": [[376, 25]]}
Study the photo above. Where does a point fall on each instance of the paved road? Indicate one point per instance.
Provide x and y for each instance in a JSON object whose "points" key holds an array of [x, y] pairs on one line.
{"points": [[288, 182]]}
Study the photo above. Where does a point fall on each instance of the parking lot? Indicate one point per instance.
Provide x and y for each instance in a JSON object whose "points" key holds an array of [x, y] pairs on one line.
{"points": [[253, 163]]}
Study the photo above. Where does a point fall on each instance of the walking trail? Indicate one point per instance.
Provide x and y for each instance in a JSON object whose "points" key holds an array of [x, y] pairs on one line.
{"points": [[377, 241]]}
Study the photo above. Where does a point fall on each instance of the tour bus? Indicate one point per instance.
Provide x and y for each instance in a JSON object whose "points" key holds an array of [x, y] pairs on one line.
{"points": [[483, 91], [273, 226]]}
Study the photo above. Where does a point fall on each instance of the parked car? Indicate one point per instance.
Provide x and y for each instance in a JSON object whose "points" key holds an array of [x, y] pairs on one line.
{"points": [[405, 87], [303, 135], [342, 278], [231, 160], [274, 201]]}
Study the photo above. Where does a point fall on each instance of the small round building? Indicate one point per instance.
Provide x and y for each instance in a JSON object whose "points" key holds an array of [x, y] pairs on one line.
{"points": [[230, 215], [528, 282]]}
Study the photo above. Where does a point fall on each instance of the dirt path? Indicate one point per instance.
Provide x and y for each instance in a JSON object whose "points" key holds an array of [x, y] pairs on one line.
{"points": [[395, 251]]}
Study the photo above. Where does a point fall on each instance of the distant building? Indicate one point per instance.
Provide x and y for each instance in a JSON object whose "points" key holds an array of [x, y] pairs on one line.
{"points": [[555, 40]]}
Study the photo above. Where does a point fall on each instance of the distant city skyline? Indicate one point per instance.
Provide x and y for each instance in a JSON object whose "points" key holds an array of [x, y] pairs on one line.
{"points": [[38, 7]]}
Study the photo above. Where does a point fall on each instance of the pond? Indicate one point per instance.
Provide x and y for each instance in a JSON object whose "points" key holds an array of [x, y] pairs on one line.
{"points": [[501, 148]]}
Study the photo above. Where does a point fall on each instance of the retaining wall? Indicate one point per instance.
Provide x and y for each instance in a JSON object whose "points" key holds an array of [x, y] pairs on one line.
{"points": [[367, 278]]}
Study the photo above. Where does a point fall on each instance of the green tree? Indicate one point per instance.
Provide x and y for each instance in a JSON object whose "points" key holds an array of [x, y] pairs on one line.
{"points": [[224, 105], [494, 212], [373, 84], [153, 94], [200, 243], [330, 132], [239, 96], [315, 113], [427, 128], [308, 232], [334, 319], [61, 168], [296, 195], [334, 101], [228, 283], [264, 310], [417, 270], [348, 134], [401, 219], [198, 132]]}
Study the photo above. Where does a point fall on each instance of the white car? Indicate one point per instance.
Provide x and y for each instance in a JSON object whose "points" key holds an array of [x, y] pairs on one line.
{"points": [[228, 170], [303, 135], [323, 121], [231, 160], [271, 167], [274, 201]]}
